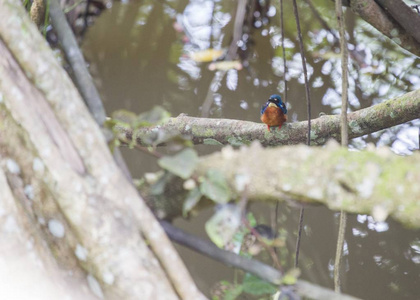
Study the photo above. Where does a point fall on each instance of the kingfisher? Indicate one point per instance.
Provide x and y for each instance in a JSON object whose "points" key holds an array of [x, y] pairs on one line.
{"points": [[274, 112]]}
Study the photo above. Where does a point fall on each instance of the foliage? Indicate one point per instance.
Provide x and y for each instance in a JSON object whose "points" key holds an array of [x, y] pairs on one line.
{"points": [[369, 83], [215, 187], [156, 116], [255, 286], [223, 225], [181, 164], [225, 228]]}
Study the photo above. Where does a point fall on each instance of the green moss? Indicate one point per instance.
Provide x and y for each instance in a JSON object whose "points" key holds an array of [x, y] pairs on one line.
{"points": [[203, 132], [400, 196], [354, 125], [314, 134]]}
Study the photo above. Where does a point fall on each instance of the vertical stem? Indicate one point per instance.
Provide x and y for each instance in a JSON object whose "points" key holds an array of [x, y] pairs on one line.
{"points": [[47, 17], [302, 210], [308, 104], [284, 50], [305, 72], [344, 137]]}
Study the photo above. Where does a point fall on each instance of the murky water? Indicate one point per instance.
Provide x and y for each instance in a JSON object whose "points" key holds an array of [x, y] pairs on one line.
{"points": [[140, 58]]}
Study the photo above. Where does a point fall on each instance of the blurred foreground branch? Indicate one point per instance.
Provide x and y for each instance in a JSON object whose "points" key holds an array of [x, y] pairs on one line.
{"points": [[376, 182], [236, 132]]}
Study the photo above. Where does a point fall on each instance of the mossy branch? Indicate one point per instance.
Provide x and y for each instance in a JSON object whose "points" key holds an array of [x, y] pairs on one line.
{"points": [[235, 132], [377, 182]]}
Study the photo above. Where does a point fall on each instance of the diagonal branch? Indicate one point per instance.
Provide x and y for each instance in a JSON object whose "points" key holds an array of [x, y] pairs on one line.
{"points": [[268, 273], [235, 132], [372, 13], [84, 182], [404, 15]]}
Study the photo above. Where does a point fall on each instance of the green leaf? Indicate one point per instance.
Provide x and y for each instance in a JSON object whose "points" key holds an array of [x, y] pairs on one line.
{"points": [[251, 219], [233, 293], [181, 164], [159, 186], [192, 199], [157, 115], [256, 286], [212, 142], [215, 187], [238, 141], [222, 226], [124, 117], [235, 141], [291, 276]]}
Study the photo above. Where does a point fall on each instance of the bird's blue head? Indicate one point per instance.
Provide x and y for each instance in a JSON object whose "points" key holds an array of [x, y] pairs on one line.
{"points": [[276, 99]]}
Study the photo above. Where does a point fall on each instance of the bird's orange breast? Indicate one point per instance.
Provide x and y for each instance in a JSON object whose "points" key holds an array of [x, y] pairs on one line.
{"points": [[273, 116]]}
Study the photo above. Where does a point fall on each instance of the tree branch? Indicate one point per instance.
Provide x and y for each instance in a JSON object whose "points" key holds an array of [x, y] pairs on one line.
{"points": [[378, 183], [404, 15], [344, 137], [372, 13], [268, 273], [75, 58], [81, 75], [97, 206], [225, 131]]}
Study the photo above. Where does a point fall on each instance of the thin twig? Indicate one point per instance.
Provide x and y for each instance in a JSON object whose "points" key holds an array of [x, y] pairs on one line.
{"points": [[284, 50], [47, 17], [300, 227], [276, 211], [344, 138], [125, 142], [242, 205], [237, 29], [321, 20], [308, 104], [305, 71], [267, 247], [339, 251]]}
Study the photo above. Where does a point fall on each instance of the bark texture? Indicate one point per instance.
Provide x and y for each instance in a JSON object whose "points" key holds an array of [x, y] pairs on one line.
{"points": [[404, 15], [94, 220], [237, 132], [375, 182], [77, 191], [372, 13]]}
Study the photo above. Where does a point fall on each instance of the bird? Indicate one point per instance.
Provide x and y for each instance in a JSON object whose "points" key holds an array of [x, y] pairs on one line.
{"points": [[274, 112]]}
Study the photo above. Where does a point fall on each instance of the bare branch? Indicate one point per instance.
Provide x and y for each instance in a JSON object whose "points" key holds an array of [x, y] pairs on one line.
{"points": [[344, 137], [404, 15], [268, 273], [372, 13]]}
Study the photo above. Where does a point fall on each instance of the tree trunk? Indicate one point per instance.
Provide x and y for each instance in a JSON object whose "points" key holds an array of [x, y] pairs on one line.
{"points": [[61, 172]]}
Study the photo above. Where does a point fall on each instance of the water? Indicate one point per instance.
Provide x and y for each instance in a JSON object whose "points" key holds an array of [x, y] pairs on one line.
{"points": [[139, 59]]}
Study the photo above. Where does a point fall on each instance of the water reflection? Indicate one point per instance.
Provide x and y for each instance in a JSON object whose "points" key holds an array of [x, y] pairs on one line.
{"points": [[140, 55]]}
